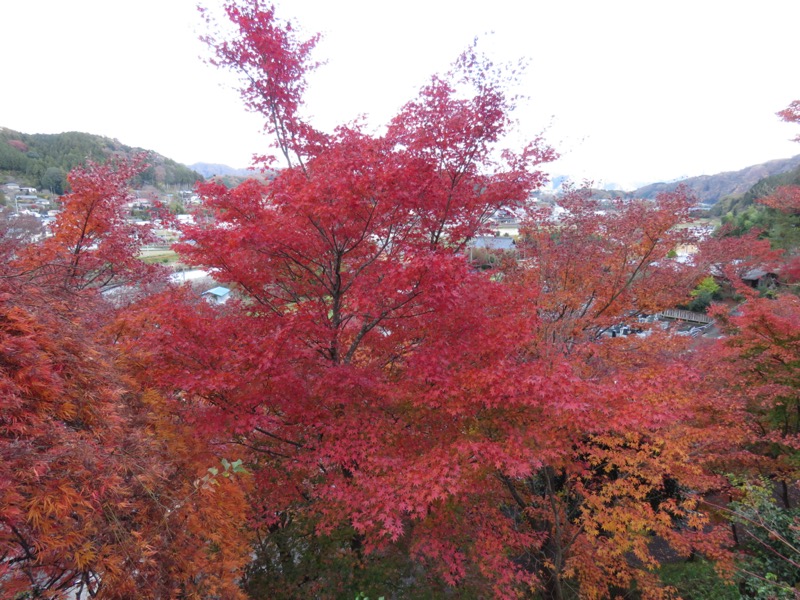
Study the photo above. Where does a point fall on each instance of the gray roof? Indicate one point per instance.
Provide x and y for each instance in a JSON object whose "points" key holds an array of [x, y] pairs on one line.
{"points": [[754, 274]]}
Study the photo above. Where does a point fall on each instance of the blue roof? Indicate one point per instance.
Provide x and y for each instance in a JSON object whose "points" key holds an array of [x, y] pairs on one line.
{"points": [[218, 291]]}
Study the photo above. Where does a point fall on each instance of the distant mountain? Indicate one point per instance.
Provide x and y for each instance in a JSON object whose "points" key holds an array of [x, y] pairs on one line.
{"points": [[764, 187], [215, 170], [43, 160], [709, 189]]}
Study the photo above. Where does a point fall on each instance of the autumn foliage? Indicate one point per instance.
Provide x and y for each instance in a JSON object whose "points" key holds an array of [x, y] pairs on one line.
{"points": [[101, 487], [371, 412], [385, 387], [791, 114]]}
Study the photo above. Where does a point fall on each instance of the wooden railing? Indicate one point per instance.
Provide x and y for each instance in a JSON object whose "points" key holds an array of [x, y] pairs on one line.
{"points": [[685, 315]]}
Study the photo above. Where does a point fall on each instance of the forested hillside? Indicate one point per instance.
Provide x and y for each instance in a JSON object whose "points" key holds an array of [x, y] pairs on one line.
{"points": [[710, 189], [43, 160], [763, 187], [764, 208]]}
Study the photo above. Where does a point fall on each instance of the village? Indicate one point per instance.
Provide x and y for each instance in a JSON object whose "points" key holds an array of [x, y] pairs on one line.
{"points": [[486, 251]]}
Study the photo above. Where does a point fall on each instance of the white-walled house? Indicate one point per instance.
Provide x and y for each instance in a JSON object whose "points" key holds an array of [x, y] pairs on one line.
{"points": [[217, 295]]}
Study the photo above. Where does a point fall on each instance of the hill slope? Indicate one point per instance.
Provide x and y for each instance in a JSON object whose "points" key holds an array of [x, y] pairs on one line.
{"points": [[762, 188], [43, 160], [709, 189]]}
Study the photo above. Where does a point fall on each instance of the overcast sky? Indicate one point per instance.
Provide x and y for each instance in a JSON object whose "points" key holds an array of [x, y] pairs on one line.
{"points": [[628, 92]]}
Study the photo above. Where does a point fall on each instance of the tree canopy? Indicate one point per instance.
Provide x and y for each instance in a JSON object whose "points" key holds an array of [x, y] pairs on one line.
{"points": [[372, 414]]}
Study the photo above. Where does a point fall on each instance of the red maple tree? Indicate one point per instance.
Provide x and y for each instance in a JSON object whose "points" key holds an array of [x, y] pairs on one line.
{"points": [[791, 114], [379, 384], [93, 246]]}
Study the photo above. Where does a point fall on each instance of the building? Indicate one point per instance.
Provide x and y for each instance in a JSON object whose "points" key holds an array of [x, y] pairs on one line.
{"points": [[217, 295]]}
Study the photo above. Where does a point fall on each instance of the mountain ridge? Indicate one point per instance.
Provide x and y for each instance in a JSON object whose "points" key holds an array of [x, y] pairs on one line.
{"points": [[45, 159], [710, 189], [208, 170]]}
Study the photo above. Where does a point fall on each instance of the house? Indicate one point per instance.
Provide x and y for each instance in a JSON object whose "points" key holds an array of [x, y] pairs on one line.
{"points": [[756, 278], [217, 295]]}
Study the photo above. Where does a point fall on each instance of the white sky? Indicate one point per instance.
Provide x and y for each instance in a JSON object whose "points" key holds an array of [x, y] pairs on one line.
{"points": [[629, 92]]}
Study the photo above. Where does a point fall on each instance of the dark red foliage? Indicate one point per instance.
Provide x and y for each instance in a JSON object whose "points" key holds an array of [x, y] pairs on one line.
{"points": [[102, 488], [791, 114]]}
